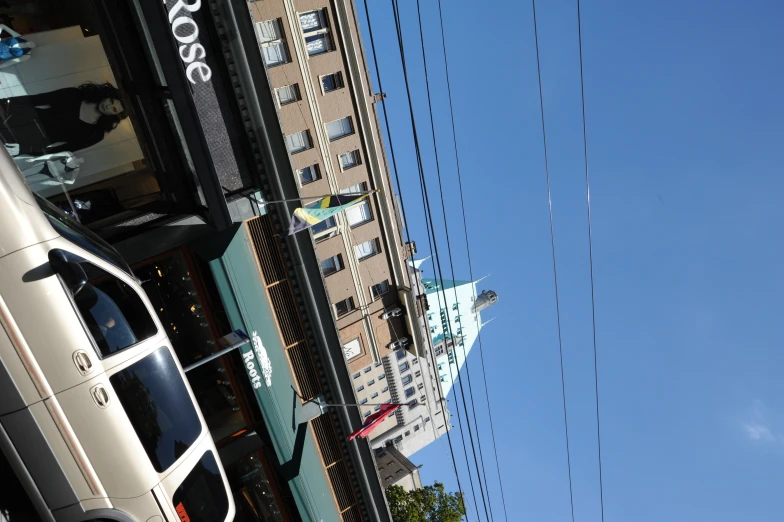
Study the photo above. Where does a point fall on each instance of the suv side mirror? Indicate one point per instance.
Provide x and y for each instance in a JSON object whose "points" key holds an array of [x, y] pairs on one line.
{"points": [[67, 266]]}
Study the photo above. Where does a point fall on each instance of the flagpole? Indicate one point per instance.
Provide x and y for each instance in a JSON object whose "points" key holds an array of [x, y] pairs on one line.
{"points": [[264, 202], [348, 405]]}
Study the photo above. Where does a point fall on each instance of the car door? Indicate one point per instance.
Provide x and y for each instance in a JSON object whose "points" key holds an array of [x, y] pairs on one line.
{"points": [[74, 336], [136, 420]]}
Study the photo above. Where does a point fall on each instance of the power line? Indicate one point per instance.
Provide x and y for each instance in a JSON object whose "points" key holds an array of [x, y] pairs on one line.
{"points": [[590, 259], [482, 486], [552, 247], [394, 166], [468, 252], [429, 216]]}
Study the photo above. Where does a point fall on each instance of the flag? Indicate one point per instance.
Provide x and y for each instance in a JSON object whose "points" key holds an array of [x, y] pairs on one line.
{"points": [[374, 420], [306, 217]]}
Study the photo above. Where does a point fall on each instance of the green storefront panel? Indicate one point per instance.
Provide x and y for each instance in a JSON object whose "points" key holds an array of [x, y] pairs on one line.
{"points": [[245, 299]]}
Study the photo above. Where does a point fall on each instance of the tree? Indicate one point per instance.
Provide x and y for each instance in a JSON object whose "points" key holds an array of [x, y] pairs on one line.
{"points": [[427, 504]]}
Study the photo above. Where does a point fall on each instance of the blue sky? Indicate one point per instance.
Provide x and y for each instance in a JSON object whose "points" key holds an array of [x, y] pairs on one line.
{"points": [[685, 132]]}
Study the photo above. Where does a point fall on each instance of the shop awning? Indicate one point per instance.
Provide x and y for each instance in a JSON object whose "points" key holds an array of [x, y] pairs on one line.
{"points": [[244, 297]]}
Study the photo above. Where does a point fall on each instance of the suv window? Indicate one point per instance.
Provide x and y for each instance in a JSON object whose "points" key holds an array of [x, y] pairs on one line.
{"points": [[113, 311], [202, 495], [157, 403], [81, 235]]}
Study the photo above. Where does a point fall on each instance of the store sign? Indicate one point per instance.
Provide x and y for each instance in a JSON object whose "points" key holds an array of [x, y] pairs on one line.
{"points": [[352, 349], [186, 32], [257, 362]]}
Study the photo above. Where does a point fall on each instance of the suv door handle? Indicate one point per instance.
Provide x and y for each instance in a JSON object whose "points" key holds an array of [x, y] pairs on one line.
{"points": [[100, 395], [82, 362]]}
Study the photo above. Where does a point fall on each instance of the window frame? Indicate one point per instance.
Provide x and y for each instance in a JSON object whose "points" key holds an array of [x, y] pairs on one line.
{"points": [[321, 32], [313, 168], [353, 152], [304, 132], [104, 276], [280, 41], [375, 295], [351, 128], [376, 249], [337, 75], [337, 264], [294, 87], [348, 300]]}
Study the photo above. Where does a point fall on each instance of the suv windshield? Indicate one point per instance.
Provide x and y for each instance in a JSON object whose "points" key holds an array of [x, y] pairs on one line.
{"points": [[81, 235], [202, 495], [159, 407]]}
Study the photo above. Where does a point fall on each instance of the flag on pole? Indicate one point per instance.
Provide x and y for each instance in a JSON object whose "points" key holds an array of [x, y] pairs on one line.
{"points": [[374, 420], [306, 217]]}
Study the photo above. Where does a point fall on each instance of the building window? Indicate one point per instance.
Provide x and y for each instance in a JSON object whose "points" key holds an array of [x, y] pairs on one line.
{"points": [[385, 389], [363, 401], [410, 391], [359, 213], [377, 408], [408, 434], [359, 188], [332, 82], [361, 388], [427, 419], [404, 367], [314, 27], [375, 394], [299, 141], [332, 265], [288, 94], [379, 363], [345, 306], [340, 128], [273, 45], [454, 306], [407, 379], [356, 375], [367, 414], [379, 289], [418, 374], [367, 249], [367, 370], [382, 376], [309, 174], [416, 427], [371, 382], [350, 159], [401, 354]]}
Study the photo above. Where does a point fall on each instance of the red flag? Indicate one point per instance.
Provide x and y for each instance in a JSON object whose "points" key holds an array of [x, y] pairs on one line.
{"points": [[374, 420]]}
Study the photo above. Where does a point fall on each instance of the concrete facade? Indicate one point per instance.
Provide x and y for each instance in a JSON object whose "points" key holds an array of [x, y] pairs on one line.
{"points": [[316, 67]]}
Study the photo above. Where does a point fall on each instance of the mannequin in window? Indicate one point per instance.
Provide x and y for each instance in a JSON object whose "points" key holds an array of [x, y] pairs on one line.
{"points": [[13, 48], [67, 119]]}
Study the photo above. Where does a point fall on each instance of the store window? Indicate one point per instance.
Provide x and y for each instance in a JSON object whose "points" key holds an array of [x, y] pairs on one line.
{"points": [[64, 118], [254, 491]]}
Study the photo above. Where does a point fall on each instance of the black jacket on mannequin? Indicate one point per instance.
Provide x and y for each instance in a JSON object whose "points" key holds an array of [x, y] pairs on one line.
{"points": [[48, 122]]}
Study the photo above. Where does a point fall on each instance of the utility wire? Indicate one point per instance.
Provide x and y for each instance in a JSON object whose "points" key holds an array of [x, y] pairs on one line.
{"points": [[394, 166], [482, 486], [429, 217], [468, 252], [552, 247], [590, 260]]}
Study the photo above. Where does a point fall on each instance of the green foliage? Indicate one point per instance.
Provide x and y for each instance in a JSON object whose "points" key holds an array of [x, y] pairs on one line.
{"points": [[427, 504]]}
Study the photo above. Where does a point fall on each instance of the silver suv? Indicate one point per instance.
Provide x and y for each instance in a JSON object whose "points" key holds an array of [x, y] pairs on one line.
{"points": [[96, 416]]}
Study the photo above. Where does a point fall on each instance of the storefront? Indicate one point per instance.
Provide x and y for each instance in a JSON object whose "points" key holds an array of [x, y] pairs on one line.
{"points": [[116, 110]]}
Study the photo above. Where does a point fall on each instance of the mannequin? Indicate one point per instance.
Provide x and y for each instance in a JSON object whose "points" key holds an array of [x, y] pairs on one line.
{"points": [[14, 48], [65, 120], [50, 169]]}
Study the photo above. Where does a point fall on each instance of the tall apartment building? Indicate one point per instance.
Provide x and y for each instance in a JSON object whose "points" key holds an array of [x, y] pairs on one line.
{"points": [[315, 63]]}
